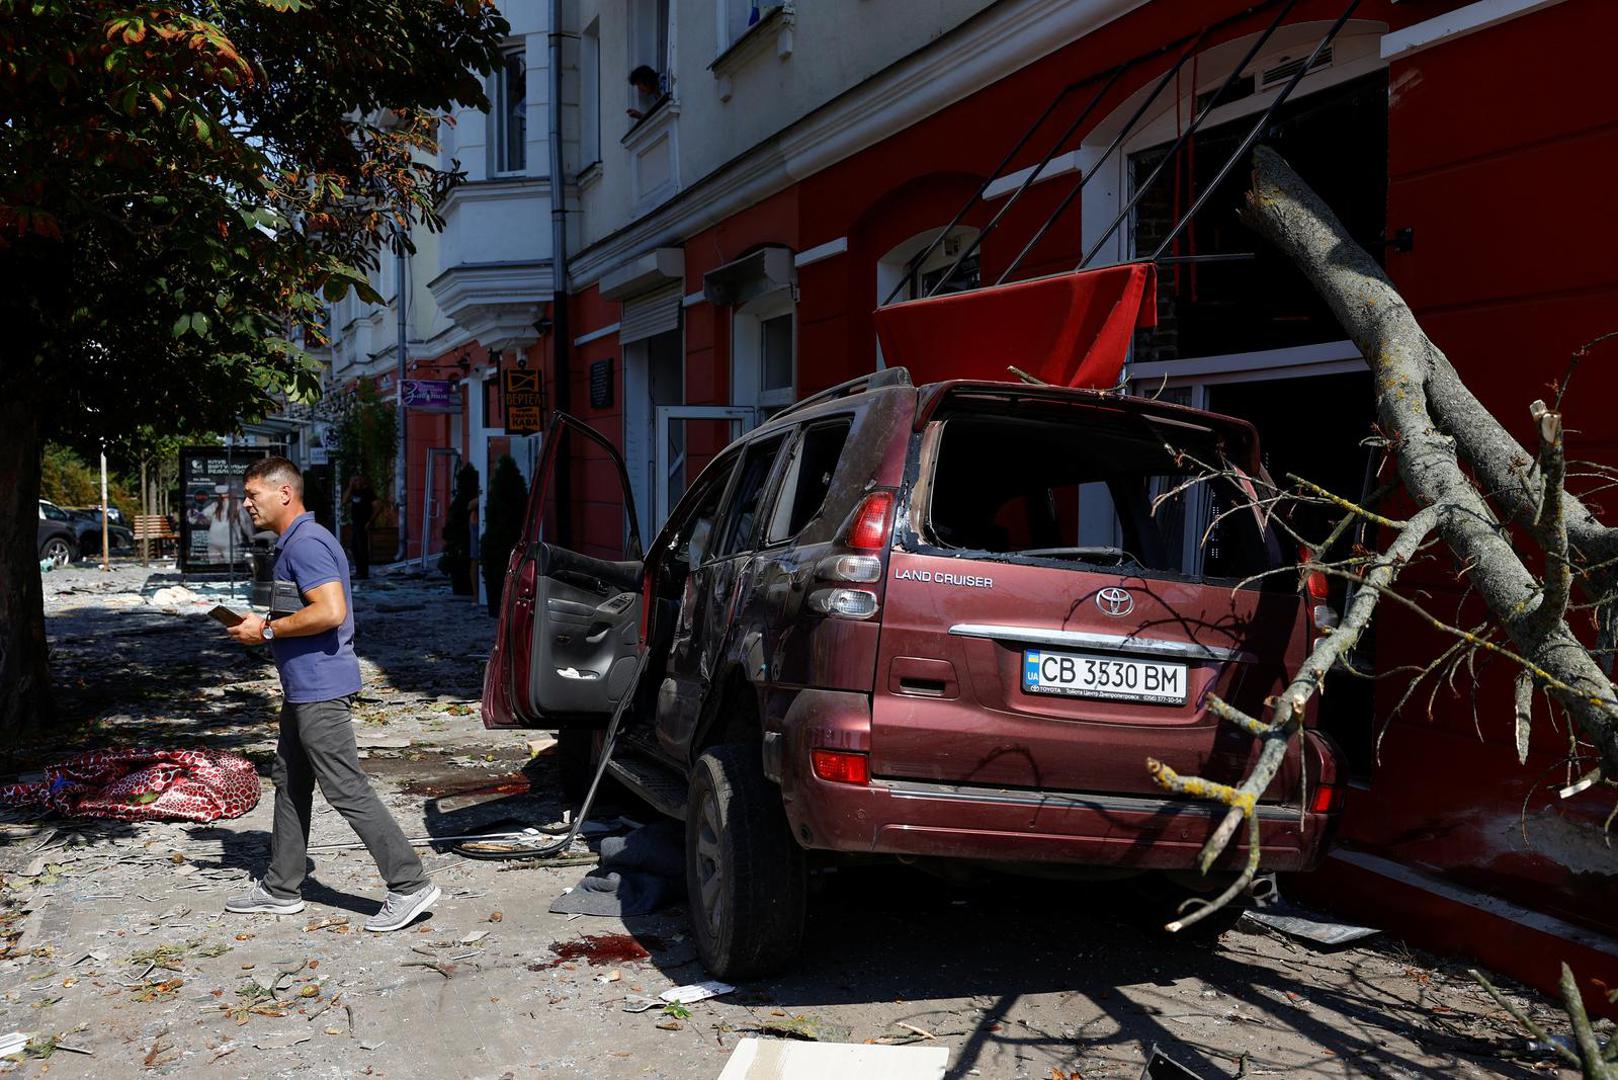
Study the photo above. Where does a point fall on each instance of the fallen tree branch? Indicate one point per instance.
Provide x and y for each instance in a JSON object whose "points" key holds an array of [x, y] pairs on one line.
{"points": [[1432, 421]]}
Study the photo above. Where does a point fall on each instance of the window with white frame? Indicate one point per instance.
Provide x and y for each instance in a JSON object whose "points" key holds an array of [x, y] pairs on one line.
{"points": [[649, 41], [590, 95], [764, 354], [508, 119], [736, 17], [946, 268]]}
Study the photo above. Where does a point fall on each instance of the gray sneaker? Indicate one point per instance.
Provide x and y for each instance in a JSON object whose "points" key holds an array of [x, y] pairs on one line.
{"points": [[399, 909], [256, 900]]}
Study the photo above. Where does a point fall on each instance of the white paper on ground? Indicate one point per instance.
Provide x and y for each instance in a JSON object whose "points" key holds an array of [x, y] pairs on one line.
{"points": [[701, 991], [782, 1059]]}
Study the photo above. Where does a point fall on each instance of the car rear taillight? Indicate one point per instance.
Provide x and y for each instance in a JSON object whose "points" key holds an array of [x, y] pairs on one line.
{"points": [[844, 603], [1327, 798], [1317, 587], [872, 521], [840, 766], [866, 568]]}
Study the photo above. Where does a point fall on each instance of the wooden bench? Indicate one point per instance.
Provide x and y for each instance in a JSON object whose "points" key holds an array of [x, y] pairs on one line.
{"points": [[154, 527]]}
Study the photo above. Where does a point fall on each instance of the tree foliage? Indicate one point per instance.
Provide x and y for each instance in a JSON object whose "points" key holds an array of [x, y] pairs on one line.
{"points": [[181, 186], [367, 442]]}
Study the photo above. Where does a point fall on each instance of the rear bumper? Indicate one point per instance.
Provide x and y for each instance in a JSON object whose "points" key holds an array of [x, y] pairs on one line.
{"points": [[907, 817]]}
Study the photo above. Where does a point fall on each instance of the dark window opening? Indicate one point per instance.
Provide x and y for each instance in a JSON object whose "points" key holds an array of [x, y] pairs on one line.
{"points": [[807, 480], [695, 545], [1104, 493], [742, 522], [1337, 140]]}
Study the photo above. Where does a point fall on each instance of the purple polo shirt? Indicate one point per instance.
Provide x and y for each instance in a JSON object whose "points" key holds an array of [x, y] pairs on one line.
{"points": [[319, 667]]}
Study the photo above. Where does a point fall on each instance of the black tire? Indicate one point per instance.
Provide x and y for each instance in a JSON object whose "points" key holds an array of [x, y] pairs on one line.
{"points": [[745, 875], [57, 550]]}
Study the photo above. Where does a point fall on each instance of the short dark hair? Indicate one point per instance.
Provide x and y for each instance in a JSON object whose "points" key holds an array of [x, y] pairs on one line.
{"points": [[643, 74], [275, 470]]}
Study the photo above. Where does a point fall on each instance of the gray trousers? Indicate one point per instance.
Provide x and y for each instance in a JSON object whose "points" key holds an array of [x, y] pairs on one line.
{"points": [[317, 745]]}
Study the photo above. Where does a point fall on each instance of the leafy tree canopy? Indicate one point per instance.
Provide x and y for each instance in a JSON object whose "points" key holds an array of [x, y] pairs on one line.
{"points": [[182, 183]]}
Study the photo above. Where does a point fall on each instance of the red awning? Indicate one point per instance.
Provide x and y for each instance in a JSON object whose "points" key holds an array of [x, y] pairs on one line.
{"points": [[1069, 329]]}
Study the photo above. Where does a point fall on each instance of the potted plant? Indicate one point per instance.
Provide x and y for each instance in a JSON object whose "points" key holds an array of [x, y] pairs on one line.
{"points": [[457, 559], [508, 496]]}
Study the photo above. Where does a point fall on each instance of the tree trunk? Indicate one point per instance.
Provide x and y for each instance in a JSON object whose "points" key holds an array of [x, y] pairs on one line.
{"points": [[25, 692], [1433, 423]]}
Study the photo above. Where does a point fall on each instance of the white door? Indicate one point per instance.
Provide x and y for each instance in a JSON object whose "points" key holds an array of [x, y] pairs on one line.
{"points": [[688, 437]]}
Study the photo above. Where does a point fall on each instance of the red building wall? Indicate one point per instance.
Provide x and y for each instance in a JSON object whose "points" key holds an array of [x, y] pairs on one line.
{"points": [[1503, 148]]}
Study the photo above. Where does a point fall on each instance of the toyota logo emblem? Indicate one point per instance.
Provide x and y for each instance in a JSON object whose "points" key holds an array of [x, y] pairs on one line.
{"points": [[1115, 601]]}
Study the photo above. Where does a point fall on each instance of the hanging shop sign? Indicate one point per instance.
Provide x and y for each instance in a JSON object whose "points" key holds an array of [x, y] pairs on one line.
{"points": [[523, 398], [431, 395]]}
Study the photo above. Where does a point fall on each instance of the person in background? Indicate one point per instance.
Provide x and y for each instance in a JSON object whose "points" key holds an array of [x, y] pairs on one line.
{"points": [[361, 500], [310, 631], [648, 91]]}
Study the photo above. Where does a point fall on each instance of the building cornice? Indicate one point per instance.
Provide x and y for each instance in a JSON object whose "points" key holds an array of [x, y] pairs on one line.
{"points": [[986, 48]]}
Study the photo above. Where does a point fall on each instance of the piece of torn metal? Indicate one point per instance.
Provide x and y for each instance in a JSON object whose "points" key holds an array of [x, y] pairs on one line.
{"points": [[1317, 931]]}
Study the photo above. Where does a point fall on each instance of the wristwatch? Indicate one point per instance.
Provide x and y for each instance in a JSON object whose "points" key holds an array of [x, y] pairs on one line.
{"points": [[268, 631]]}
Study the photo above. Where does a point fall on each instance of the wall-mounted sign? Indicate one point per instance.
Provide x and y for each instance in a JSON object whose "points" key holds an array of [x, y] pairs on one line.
{"points": [[523, 397], [601, 384], [431, 395]]}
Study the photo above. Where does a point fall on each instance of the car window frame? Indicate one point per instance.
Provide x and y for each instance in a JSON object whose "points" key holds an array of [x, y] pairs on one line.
{"points": [[727, 460], [767, 492], [801, 434]]}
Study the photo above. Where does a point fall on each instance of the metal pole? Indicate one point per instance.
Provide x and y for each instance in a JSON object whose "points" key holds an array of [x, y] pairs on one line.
{"points": [[1191, 129], [145, 512], [1118, 140], [106, 562], [561, 339], [1258, 128], [402, 466]]}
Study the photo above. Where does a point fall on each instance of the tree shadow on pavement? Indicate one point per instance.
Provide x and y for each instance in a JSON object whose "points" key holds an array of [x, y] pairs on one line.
{"points": [[890, 935]]}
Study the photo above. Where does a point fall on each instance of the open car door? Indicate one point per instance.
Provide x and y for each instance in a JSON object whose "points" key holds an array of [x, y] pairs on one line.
{"points": [[569, 628]]}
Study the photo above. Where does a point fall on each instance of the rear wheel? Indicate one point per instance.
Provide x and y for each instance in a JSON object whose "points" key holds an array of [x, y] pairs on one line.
{"points": [[57, 552], [745, 874]]}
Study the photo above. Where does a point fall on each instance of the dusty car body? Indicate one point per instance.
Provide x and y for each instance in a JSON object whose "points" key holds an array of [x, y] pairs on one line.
{"points": [[946, 622]]}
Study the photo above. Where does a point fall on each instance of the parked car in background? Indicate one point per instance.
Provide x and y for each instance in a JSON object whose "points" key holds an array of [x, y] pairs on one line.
{"points": [[58, 535], [87, 521], [945, 623]]}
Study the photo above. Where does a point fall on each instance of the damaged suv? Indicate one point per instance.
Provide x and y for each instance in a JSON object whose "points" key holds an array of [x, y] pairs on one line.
{"points": [[945, 622]]}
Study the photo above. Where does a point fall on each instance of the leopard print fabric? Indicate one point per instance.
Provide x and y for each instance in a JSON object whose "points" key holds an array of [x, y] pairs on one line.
{"points": [[140, 784]]}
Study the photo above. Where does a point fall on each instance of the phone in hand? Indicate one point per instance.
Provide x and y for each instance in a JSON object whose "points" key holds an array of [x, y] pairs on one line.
{"points": [[224, 615]]}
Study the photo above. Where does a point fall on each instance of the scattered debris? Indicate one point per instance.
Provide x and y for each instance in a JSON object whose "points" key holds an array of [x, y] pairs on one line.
{"points": [[280, 1040], [639, 1003], [811, 1029], [1159, 1066], [1317, 931], [694, 992], [756, 1059]]}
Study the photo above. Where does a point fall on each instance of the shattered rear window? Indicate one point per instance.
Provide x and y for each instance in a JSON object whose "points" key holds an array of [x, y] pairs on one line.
{"points": [[1112, 491]]}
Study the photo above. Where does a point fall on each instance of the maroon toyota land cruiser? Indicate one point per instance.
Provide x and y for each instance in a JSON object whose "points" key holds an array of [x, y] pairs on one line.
{"points": [[940, 622]]}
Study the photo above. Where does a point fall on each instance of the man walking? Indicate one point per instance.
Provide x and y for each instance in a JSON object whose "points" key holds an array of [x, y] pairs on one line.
{"points": [[310, 630]]}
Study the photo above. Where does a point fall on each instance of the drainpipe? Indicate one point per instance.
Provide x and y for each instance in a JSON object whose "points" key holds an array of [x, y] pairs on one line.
{"points": [[401, 466], [560, 338]]}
